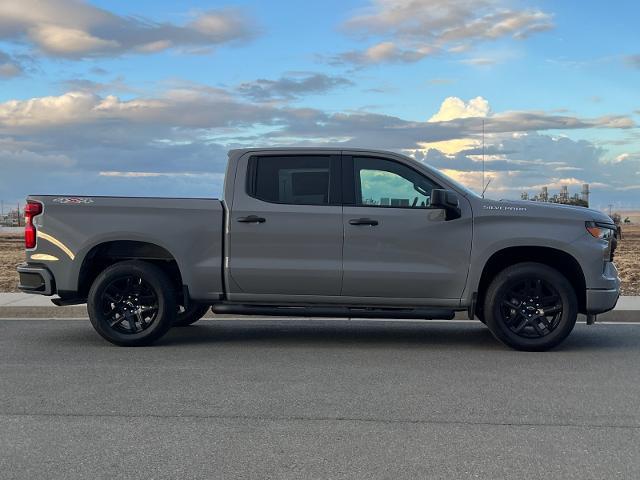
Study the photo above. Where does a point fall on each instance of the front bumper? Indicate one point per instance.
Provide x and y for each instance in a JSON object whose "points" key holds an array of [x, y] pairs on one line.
{"points": [[604, 298], [36, 279], [600, 301]]}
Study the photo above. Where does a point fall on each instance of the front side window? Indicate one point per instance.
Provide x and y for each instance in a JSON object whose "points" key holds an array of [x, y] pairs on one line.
{"points": [[298, 180], [384, 183]]}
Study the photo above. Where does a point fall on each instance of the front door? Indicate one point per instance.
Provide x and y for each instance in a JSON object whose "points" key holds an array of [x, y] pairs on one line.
{"points": [[396, 246], [285, 227]]}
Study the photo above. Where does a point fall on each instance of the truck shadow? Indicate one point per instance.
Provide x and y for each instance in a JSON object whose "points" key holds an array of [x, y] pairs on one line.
{"points": [[341, 333], [338, 333]]}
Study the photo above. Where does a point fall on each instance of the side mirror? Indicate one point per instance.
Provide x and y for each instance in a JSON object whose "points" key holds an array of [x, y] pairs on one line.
{"points": [[447, 200]]}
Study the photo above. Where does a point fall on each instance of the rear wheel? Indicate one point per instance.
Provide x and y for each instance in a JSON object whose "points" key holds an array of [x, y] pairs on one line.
{"points": [[132, 303], [530, 306], [187, 316]]}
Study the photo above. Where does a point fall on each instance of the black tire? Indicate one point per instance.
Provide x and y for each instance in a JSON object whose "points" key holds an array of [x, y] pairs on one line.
{"points": [[530, 306], [132, 303], [188, 316]]}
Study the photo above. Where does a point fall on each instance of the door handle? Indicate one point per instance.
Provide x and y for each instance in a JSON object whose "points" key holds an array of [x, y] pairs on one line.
{"points": [[252, 219], [363, 221]]}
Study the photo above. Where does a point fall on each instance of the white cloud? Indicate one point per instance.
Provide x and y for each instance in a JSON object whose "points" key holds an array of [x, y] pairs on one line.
{"points": [[454, 107], [76, 29], [416, 28], [63, 41]]}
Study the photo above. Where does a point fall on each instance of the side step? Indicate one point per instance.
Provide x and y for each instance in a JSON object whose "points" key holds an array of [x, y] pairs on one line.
{"points": [[64, 302], [346, 312]]}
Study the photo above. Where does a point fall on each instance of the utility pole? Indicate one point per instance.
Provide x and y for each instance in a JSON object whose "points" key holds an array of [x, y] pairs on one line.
{"points": [[610, 206]]}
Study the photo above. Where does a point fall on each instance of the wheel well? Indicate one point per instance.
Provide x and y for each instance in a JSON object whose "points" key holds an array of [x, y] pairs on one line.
{"points": [[557, 259], [106, 254]]}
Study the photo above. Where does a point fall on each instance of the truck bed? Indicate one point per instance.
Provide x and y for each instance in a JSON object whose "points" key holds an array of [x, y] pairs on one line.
{"points": [[71, 228]]}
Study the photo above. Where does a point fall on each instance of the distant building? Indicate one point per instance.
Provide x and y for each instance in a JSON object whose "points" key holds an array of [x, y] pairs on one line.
{"points": [[580, 199], [11, 219]]}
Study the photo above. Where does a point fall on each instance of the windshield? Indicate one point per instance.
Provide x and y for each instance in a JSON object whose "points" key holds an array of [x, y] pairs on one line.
{"points": [[456, 184], [459, 186]]}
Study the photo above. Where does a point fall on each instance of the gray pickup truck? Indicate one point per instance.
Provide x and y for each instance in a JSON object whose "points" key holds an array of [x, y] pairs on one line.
{"points": [[323, 233]]}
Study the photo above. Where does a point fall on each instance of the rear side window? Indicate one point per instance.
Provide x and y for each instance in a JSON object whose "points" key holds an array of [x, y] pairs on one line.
{"points": [[297, 180]]}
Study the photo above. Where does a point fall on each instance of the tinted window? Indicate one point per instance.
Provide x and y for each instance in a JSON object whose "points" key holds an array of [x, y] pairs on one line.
{"points": [[384, 183], [301, 180]]}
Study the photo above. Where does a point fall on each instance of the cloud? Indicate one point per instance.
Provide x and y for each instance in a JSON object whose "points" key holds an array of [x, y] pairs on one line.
{"points": [[480, 61], [212, 108], [440, 81], [218, 176], [625, 157], [386, 131], [385, 52], [9, 66], [413, 29], [454, 107], [76, 29], [103, 144], [91, 86], [633, 61], [527, 161], [288, 88], [179, 107]]}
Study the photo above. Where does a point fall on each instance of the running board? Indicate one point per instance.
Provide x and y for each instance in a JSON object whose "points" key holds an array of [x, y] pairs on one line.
{"points": [[64, 302], [346, 312]]}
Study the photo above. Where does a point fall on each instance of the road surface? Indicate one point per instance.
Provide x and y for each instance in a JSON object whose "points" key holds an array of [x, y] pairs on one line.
{"points": [[317, 399]]}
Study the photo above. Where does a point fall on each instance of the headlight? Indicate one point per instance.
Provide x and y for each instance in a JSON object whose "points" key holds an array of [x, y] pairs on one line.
{"points": [[604, 231], [607, 232]]}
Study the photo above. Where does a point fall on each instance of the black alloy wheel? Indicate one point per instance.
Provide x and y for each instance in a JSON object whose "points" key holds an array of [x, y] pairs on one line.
{"points": [[132, 303], [530, 306]]}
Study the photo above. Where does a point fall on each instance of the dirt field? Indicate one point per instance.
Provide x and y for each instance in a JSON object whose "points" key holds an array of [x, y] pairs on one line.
{"points": [[627, 259], [11, 254]]}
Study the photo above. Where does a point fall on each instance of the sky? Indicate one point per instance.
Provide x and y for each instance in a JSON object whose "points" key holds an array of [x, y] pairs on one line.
{"points": [[145, 98]]}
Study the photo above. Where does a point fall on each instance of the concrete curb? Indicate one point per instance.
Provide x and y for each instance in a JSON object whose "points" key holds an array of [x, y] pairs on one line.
{"points": [[21, 305]]}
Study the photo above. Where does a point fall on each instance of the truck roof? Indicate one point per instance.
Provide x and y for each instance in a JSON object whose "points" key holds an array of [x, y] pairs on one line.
{"points": [[242, 151]]}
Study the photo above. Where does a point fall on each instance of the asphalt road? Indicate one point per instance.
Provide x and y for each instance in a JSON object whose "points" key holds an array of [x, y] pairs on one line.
{"points": [[317, 399]]}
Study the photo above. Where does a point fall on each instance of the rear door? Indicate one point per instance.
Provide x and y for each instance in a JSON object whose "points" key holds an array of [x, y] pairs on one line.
{"points": [[285, 227], [396, 246]]}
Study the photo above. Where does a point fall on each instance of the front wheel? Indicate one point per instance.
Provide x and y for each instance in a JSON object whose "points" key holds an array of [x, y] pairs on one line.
{"points": [[530, 306], [132, 303]]}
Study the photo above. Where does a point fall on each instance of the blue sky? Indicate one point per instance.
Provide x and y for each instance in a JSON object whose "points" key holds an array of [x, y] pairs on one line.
{"points": [[144, 98]]}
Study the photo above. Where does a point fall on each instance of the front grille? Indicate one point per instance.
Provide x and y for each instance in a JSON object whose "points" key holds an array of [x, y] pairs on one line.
{"points": [[612, 247]]}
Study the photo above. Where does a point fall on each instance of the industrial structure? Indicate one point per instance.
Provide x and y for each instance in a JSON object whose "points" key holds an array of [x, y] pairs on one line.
{"points": [[580, 199], [13, 218]]}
